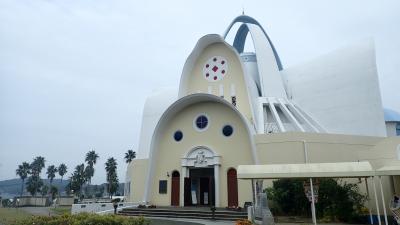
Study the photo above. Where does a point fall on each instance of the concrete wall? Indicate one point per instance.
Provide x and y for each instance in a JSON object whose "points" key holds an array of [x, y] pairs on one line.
{"points": [[65, 201], [99, 207], [138, 171], [33, 201]]}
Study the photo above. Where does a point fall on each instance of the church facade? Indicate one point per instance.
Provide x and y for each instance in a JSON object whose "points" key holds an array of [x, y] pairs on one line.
{"points": [[242, 108]]}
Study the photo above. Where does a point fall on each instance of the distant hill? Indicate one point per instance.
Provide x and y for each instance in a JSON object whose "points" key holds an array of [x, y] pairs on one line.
{"points": [[11, 188]]}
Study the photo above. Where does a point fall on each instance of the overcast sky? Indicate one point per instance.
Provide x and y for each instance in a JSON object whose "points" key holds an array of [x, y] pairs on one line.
{"points": [[74, 74]]}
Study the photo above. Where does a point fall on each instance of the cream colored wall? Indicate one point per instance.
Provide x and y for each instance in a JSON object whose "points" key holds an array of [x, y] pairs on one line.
{"points": [[235, 75], [288, 148], [138, 171], [234, 150]]}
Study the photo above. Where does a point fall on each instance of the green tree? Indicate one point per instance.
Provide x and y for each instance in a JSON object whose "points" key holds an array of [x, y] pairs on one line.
{"points": [[53, 191], [288, 194], [88, 173], [34, 184], [77, 179], [129, 156], [62, 170], [112, 177], [23, 171], [51, 173], [37, 165], [337, 200], [91, 159], [44, 190]]}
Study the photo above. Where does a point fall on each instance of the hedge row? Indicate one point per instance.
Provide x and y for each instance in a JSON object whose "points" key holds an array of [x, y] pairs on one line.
{"points": [[83, 219]]}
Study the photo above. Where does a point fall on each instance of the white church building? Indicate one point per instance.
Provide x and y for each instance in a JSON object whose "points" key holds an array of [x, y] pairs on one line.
{"points": [[244, 108]]}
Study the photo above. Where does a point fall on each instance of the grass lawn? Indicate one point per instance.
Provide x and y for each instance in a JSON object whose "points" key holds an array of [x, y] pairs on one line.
{"points": [[9, 215], [60, 210]]}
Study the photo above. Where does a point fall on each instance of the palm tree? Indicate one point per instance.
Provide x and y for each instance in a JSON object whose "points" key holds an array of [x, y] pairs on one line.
{"points": [[91, 159], [77, 179], [51, 173], [89, 172], [23, 170], [112, 178], [37, 165], [129, 156], [62, 170]]}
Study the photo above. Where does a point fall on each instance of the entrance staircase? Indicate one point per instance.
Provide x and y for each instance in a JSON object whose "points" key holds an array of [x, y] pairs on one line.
{"points": [[186, 213]]}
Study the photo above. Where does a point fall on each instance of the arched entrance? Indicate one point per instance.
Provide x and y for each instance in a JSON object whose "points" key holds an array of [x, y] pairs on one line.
{"points": [[175, 188], [232, 188], [200, 172]]}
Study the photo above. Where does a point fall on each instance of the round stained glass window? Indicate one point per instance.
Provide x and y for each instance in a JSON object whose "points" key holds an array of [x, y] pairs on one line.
{"points": [[178, 135], [215, 69], [227, 130], [201, 122]]}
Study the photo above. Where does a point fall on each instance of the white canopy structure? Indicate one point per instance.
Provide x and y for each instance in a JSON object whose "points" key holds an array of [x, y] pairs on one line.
{"points": [[393, 170], [308, 170], [321, 170]]}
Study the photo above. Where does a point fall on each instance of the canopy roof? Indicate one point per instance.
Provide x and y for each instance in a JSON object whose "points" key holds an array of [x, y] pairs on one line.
{"points": [[393, 170], [308, 170]]}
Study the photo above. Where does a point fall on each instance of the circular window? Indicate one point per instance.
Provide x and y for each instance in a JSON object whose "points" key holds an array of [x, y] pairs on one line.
{"points": [[201, 122], [227, 130], [178, 135]]}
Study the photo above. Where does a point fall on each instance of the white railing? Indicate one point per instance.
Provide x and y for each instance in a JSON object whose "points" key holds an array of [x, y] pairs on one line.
{"points": [[101, 208]]}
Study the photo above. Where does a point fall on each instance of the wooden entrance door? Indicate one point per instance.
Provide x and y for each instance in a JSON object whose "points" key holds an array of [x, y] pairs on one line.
{"points": [[187, 195], [232, 188], [175, 188]]}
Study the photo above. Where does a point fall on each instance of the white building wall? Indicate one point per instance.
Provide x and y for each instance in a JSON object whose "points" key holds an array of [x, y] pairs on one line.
{"points": [[391, 129], [154, 107], [340, 91]]}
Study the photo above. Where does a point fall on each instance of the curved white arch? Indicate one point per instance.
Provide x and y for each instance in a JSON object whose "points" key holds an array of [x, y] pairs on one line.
{"points": [[176, 107], [268, 62]]}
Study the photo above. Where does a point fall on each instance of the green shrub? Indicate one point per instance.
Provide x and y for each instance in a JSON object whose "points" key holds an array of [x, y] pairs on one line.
{"points": [[84, 219], [337, 200]]}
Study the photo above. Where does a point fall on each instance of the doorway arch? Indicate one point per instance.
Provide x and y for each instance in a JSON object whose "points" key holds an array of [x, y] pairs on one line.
{"points": [[232, 188], [175, 183]]}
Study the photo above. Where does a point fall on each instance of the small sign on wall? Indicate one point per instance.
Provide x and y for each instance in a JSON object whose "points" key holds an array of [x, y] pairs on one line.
{"points": [[194, 198]]}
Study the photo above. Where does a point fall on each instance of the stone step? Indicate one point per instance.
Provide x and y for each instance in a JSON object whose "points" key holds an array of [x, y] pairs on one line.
{"points": [[183, 213]]}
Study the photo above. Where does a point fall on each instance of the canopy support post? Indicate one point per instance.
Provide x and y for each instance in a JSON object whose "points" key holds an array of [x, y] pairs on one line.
{"points": [[383, 200], [371, 220], [314, 217], [376, 202]]}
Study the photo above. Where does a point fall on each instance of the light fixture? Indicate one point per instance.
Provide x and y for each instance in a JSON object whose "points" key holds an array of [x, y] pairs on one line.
{"points": [[167, 174]]}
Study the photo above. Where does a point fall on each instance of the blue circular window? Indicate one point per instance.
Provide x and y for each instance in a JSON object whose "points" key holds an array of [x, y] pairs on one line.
{"points": [[178, 135], [227, 130], [201, 122]]}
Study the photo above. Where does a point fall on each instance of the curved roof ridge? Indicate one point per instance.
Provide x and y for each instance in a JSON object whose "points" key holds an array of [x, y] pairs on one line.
{"points": [[243, 31]]}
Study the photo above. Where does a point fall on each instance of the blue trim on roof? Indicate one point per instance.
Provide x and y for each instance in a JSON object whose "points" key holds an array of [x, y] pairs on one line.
{"points": [[391, 115]]}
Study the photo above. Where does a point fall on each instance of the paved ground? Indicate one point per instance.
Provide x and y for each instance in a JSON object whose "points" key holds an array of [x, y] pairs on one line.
{"points": [[197, 221]]}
